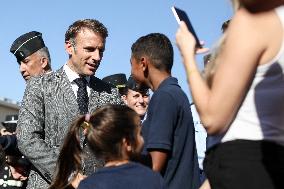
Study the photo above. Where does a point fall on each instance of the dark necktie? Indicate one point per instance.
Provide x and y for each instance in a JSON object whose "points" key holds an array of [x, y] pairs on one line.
{"points": [[82, 95]]}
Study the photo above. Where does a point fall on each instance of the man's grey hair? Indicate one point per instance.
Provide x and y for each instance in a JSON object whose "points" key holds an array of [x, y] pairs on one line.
{"points": [[44, 52]]}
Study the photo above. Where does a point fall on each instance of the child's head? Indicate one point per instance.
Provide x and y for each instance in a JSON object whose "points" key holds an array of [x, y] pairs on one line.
{"points": [[114, 133], [154, 47]]}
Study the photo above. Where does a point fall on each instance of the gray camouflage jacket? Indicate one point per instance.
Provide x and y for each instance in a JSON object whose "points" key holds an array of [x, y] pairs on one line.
{"points": [[48, 108]]}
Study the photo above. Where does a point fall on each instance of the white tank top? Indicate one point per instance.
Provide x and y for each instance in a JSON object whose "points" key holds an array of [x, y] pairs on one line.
{"points": [[261, 116]]}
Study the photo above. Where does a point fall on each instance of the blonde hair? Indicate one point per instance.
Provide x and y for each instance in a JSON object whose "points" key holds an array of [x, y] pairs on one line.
{"points": [[212, 66]]}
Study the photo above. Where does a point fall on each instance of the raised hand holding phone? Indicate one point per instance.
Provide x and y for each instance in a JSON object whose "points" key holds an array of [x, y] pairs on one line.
{"points": [[181, 15], [186, 43]]}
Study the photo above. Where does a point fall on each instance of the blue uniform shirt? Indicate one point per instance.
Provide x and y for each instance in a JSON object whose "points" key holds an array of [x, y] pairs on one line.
{"points": [[131, 176], [169, 127]]}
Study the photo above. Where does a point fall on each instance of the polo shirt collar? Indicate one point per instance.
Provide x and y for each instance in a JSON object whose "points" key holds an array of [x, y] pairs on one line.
{"points": [[169, 81]]}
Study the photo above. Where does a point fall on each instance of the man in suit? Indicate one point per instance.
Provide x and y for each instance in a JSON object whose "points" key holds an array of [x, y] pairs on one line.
{"points": [[34, 59], [52, 101]]}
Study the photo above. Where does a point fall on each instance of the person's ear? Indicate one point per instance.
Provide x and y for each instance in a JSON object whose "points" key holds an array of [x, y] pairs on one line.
{"points": [[124, 99], [43, 62], [144, 63], [69, 47], [127, 145]]}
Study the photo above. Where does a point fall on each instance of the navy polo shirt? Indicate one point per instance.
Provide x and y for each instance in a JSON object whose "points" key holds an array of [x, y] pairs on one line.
{"points": [[169, 127], [131, 176]]}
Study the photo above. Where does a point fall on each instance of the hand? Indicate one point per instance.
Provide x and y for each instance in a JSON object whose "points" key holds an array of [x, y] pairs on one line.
{"points": [[18, 173], [77, 179], [3, 132], [202, 50], [186, 42], [205, 185]]}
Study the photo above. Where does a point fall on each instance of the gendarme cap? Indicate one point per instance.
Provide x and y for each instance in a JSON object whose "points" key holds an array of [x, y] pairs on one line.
{"points": [[133, 85], [27, 44], [10, 119], [117, 80]]}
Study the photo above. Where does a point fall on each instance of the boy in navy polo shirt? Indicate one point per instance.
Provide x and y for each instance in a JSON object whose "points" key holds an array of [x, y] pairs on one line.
{"points": [[168, 130]]}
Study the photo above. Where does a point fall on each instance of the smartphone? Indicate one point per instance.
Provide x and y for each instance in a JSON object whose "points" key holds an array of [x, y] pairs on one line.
{"points": [[181, 15]]}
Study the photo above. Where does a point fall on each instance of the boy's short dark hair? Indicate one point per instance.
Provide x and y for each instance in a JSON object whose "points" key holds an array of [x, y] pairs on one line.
{"points": [[157, 47]]}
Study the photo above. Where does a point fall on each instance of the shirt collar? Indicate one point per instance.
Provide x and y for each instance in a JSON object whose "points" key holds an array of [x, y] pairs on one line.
{"points": [[71, 75], [169, 81]]}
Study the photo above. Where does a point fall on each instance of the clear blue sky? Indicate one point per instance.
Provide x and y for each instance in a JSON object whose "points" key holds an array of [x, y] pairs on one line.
{"points": [[126, 21]]}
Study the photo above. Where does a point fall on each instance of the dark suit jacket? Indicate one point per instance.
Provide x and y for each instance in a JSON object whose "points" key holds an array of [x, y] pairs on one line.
{"points": [[48, 108]]}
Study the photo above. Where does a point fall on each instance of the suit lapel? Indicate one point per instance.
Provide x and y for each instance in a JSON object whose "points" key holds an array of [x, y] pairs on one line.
{"points": [[69, 97]]}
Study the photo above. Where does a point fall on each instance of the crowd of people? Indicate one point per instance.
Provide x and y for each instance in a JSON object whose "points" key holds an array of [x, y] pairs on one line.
{"points": [[78, 131]]}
